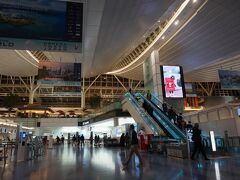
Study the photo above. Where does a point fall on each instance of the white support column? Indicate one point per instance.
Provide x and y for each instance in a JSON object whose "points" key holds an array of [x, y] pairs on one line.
{"points": [[32, 90], [156, 75], [83, 95], [115, 121]]}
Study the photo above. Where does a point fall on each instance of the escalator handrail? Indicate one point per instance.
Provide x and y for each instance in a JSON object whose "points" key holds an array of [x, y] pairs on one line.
{"points": [[150, 123], [160, 103], [165, 118]]}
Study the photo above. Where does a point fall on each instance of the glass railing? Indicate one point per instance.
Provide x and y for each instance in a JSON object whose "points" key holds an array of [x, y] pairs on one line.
{"points": [[103, 110], [147, 119], [164, 120]]}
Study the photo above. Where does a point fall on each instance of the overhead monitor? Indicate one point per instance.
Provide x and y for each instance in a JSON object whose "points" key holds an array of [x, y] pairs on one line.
{"points": [[172, 81], [59, 74], [47, 25], [229, 79]]}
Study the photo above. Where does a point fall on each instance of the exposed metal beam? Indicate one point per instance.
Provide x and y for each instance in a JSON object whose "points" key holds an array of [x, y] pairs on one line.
{"points": [[92, 83], [120, 82]]}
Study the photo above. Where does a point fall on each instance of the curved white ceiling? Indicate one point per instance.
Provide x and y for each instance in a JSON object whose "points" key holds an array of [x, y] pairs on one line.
{"points": [[124, 22], [212, 36], [17, 63]]}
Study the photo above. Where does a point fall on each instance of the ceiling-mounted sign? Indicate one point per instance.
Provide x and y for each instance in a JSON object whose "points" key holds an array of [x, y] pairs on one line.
{"points": [[229, 79], [59, 74], [47, 25]]}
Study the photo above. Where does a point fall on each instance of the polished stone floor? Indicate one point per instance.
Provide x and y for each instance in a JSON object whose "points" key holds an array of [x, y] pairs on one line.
{"points": [[70, 163]]}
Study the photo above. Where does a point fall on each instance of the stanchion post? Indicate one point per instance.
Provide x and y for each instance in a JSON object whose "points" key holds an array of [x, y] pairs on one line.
{"points": [[188, 145]]}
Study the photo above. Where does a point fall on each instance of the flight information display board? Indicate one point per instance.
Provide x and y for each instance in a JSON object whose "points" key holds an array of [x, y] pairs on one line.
{"points": [[48, 25]]}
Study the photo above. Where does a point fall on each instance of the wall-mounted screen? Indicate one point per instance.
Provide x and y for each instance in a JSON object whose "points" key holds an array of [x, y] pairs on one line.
{"points": [[59, 74], [172, 82], [229, 79]]}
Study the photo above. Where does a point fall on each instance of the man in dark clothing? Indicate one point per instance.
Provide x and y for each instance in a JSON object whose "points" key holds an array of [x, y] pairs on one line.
{"points": [[82, 140], [198, 146], [122, 140], [189, 125], [133, 148], [172, 115], [149, 96], [179, 120], [164, 108]]}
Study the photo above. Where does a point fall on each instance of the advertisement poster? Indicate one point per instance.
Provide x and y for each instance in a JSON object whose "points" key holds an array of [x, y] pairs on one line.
{"points": [[229, 79], [173, 86], [59, 74], [41, 24]]}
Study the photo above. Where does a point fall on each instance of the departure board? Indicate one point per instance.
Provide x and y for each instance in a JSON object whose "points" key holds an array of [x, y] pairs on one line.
{"points": [[49, 25]]}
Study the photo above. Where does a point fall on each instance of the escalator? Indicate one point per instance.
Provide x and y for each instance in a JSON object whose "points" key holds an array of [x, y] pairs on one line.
{"points": [[169, 128], [157, 120], [130, 104]]}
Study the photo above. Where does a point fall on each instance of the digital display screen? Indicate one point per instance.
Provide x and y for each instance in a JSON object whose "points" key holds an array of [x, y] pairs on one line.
{"points": [[172, 82], [50, 25], [59, 74], [229, 79], [41, 19]]}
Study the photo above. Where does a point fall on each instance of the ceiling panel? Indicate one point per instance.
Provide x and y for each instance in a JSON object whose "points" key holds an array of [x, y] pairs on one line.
{"points": [[123, 23], [211, 37], [17, 63]]}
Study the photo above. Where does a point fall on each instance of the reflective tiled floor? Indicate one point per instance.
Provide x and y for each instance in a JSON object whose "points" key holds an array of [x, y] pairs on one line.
{"points": [[67, 162]]}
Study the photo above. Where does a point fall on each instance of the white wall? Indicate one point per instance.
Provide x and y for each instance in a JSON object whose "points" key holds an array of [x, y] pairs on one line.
{"points": [[220, 118]]}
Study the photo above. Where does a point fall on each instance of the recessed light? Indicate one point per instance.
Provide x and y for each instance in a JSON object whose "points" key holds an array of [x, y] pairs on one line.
{"points": [[163, 37], [194, 1], [176, 22], [159, 21]]}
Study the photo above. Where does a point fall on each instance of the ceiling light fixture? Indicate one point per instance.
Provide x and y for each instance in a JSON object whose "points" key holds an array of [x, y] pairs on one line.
{"points": [[176, 22], [163, 37], [194, 1]]}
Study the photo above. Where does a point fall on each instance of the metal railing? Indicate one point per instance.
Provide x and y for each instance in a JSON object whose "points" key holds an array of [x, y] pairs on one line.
{"points": [[164, 120], [147, 119]]}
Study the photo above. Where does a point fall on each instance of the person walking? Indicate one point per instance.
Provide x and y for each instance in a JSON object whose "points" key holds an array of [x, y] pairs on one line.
{"points": [[133, 148], [122, 140], [197, 139], [127, 139], [82, 140]]}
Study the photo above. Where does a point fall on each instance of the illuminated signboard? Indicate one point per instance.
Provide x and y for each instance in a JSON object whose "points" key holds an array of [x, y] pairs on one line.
{"points": [[229, 79], [172, 82], [59, 74], [48, 25], [85, 123]]}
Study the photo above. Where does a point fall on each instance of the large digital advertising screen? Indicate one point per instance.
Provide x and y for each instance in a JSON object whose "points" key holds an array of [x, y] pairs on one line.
{"points": [[229, 79], [51, 25], [172, 82], [59, 74]]}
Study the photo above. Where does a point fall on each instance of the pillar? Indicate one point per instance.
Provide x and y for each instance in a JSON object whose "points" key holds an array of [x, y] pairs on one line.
{"points": [[115, 121], [83, 94], [31, 97], [153, 81], [152, 75]]}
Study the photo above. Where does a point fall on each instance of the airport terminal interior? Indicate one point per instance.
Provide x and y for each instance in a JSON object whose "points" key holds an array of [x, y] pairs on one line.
{"points": [[119, 89]]}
